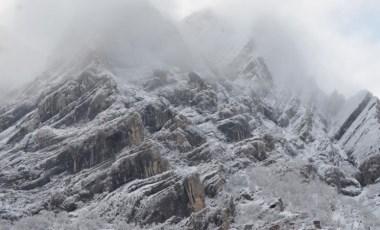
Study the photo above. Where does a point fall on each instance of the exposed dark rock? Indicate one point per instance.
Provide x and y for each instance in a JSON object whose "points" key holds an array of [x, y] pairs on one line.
{"points": [[275, 227], [179, 121], [195, 192], [169, 195], [180, 134], [226, 113], [141, 162], [369, 170], [56, 199], [175, 140], [100, 145], [194, 136], [10, 117], [317, 224], [255, 149], [42, 138], [19, 135], [213, 184], [353, 116], [70, 204], [62, 100], [145, 163], [236, 128], [268, 112], [277, 205], [156, 114], [213, 218], [204, 154], [344, 185], [308, 171], [246, 196], [44, 179], [205, 101]]}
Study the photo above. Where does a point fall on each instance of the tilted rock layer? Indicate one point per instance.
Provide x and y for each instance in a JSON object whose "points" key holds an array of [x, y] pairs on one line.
{"points": [[176, 148]]}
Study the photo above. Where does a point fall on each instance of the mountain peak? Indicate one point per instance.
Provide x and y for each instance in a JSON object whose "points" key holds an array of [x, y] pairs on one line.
{"points": [[118, 132]]}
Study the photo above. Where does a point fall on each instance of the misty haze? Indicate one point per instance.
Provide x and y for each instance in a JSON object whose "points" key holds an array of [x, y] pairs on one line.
{"points": [[189, 114]]}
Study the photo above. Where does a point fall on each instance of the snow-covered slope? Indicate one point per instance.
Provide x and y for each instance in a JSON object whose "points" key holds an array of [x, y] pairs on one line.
{"points": [[218, 146]]}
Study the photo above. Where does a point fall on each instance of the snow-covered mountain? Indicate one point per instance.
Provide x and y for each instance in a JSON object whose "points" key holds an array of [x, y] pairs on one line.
{"points": [[208, 141]]}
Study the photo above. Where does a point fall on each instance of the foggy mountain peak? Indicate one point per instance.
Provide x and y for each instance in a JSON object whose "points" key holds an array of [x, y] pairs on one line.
{"points": [[141, 122], [124, 36]]}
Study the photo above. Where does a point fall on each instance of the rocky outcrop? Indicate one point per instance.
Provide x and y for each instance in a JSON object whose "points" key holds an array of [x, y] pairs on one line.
{"points": [[369, 170], [145, 163], [195, 192], [42, 138], [182, 150], [11, 116], [179, 96], [62, 100], [205, 101], [290, 112], [99, 146], [180, 134], [352, 117], [156, 114], [210, 218], [255, 149], [344, 185], [236, 128], [156, 199], [87, 108], [268, 112], [204, 154], [213, 183], [359, 135]]}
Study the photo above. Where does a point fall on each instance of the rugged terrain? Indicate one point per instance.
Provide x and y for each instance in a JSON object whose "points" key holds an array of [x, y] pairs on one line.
{"points": [[166, 147]]}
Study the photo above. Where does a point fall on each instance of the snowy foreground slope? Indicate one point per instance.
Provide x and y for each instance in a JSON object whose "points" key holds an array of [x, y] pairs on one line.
{"points": [[94, 145]]}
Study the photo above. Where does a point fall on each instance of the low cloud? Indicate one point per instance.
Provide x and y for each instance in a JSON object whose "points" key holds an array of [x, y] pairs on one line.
{"points": [[335, 42]]}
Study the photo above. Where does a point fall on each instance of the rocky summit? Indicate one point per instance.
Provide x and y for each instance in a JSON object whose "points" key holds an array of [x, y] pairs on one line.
{"points": [[97, 144]]}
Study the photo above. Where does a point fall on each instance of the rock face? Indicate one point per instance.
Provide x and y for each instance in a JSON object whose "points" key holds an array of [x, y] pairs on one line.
{"points": [[347, 186], [189, 150], [143, 164], [358, 134], [77, 97], [100, 146], [369, 170], [256, 149], [235, 129], [156, 114], [195, 192]]}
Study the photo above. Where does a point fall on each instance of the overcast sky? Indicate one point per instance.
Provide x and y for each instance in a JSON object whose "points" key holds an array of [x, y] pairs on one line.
{"points": [[335, 41]]}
